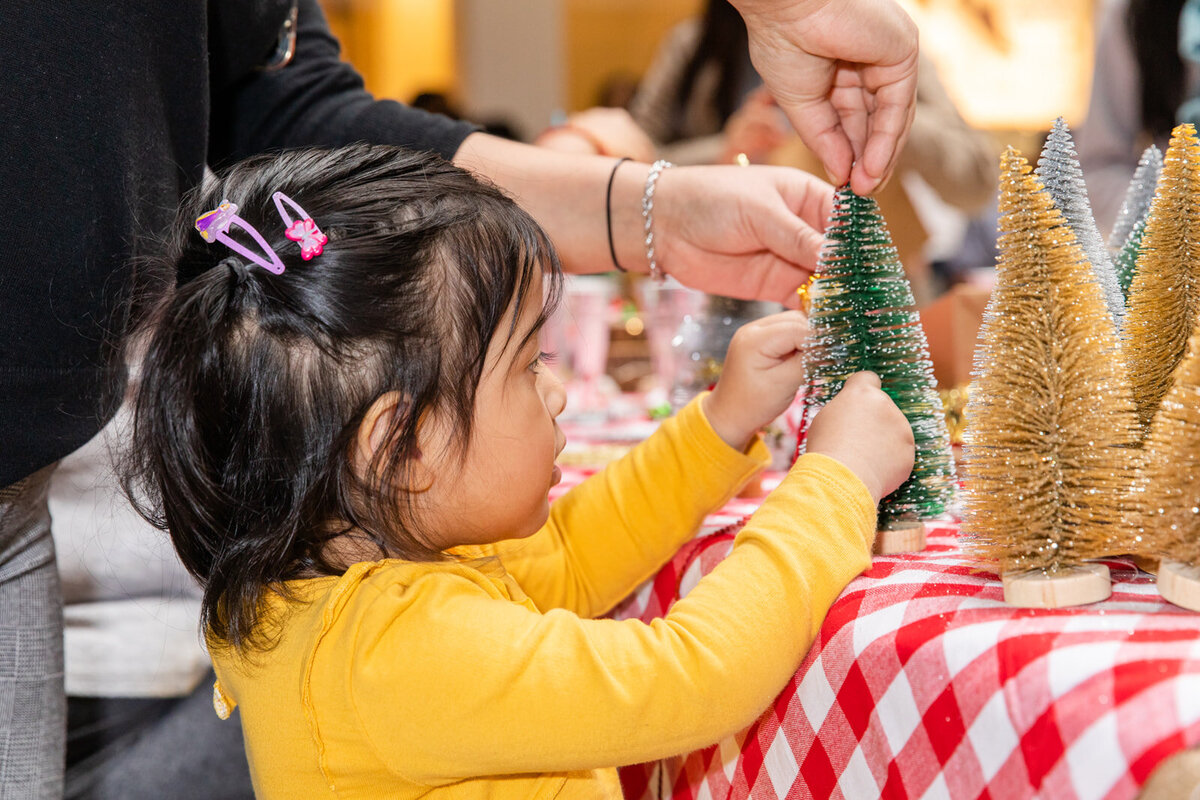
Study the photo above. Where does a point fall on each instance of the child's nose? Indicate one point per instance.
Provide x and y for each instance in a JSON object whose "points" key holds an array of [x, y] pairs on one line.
{"points": [[553, 392]]}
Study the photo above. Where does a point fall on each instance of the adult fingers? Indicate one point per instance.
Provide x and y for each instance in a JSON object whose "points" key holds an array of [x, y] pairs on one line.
{"points": [[789, 238], [760, 276], [792, 229], [806, 196], [854, 107], [889, 129], [820, 128]]}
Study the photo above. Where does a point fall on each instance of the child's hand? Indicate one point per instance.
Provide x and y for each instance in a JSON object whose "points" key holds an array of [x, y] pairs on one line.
{"points": [[863, 429], [763, 369]]}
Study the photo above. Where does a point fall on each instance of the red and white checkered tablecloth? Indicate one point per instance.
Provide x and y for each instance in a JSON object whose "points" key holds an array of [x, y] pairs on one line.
{"points": [[924, 684]]}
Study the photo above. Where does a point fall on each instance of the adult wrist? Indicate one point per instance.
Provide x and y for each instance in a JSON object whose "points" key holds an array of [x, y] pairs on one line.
{"points": [[608, 214], [635, 217], [653, 257], [628, 186]]}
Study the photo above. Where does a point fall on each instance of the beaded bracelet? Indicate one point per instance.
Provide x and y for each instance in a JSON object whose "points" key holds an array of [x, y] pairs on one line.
{"points": [[656, 272]]}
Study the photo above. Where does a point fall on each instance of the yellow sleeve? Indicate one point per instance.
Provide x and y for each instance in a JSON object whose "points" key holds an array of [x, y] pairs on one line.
{"points": [[610, 533], [447, 679]]}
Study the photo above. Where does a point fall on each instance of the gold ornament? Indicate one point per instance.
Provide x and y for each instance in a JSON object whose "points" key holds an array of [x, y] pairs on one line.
{"points": [[954, 405], [805, 293]]}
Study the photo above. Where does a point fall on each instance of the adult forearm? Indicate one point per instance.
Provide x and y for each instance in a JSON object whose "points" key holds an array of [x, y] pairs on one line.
{"points": [[751, 232], [566, 193]]}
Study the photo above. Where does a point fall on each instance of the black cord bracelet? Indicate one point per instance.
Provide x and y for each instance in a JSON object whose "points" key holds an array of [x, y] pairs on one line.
{"points": [[612, 250]]}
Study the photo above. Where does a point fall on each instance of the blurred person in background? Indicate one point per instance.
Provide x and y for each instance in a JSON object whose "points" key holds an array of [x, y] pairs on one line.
{"points": [[1145, 81]]}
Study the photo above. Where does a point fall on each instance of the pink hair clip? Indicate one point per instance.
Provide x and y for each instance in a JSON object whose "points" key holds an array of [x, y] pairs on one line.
{"points": [[214, 226], [303, 230]]}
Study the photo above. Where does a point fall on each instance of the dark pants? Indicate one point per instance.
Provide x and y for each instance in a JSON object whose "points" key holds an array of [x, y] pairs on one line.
{"points": [[155, 749], [32, 708]]}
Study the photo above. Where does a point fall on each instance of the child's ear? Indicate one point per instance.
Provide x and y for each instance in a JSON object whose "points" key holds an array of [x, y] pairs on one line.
{"points": [[373, 433]]}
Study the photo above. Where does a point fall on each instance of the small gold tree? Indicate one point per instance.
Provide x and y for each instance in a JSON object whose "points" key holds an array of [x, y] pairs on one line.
{"points": [[1050, 422], [1170, 504], [1164, 299]]}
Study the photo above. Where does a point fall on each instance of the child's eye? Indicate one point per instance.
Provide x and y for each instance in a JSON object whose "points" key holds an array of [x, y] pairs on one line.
{"points": [[543, 359]]}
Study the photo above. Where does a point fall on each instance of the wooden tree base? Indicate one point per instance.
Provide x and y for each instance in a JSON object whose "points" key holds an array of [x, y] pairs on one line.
{"points": [[900, 537], [1180, 584], [1072, 586]]}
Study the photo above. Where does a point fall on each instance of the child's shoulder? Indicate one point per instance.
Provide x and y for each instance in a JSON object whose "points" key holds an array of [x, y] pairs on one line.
{"points": [[373, 596], [396, 583]]}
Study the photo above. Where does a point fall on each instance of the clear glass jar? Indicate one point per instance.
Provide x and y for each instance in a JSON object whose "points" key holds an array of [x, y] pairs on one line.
{"points": [[702, 339]]}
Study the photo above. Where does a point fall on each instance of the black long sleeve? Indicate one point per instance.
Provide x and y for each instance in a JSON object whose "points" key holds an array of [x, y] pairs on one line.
{"points": [[111, 112], [318, 99]]}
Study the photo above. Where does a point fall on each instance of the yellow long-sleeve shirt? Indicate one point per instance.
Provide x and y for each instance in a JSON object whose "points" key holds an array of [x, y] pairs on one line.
{"points": [[489, 677]]}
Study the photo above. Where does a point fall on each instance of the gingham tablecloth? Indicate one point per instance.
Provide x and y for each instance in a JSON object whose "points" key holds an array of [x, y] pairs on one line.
{"points": [[924, 684]]}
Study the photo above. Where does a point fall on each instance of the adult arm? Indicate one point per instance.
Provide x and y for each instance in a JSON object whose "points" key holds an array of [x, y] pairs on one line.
{"points": [[316, 99], [750, 232], [742, 233], [845, 73]]}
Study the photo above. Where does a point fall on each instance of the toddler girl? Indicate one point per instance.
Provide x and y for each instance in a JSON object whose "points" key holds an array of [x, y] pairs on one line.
{"points": [[344, 422]]}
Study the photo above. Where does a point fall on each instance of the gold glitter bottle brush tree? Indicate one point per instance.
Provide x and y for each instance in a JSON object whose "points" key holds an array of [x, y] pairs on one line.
{"points": [[863, 317], [1169, 504], [1050, 422], [1164, 299]]}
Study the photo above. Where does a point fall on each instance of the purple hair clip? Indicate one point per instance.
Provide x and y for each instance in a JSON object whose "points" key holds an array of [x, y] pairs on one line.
{"points": [[214, 226], [303, 230]]}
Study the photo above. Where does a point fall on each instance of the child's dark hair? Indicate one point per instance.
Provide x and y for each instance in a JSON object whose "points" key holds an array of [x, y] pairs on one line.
{"points": [[253, 385]]}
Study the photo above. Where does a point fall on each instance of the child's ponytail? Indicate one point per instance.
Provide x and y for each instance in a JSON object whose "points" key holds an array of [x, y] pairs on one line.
{"points": [[236, 522]]}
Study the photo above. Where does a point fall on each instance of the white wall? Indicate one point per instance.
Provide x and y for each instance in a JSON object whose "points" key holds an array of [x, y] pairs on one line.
{"points": [[510, 60]]}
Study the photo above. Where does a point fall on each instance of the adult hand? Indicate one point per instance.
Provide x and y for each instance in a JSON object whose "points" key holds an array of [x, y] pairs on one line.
{"points": [[600, 131], [748, 232], [755, 129], [845, 73]]}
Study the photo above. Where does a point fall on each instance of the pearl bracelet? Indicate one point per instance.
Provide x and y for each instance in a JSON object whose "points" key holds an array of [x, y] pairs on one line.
{"points": [[656, 272]]}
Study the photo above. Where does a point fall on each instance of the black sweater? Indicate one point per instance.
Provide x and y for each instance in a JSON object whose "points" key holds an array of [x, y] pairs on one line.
{"points": [[109, 112]]}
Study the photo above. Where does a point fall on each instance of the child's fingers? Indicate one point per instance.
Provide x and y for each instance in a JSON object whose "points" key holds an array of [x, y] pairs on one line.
{"points": [[780, 336], [772, 325], [789, 317]]}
